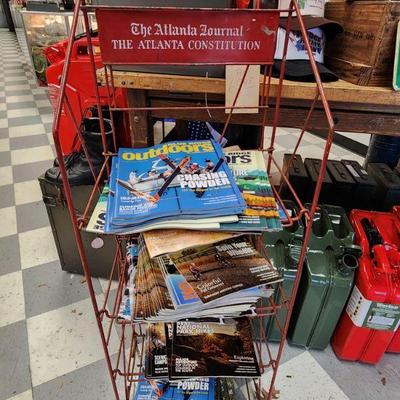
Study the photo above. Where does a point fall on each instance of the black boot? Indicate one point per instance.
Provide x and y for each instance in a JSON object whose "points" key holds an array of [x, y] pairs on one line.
{"points": [[76, 164]]}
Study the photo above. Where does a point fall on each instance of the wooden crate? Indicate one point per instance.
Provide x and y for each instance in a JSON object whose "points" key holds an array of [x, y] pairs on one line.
{"points": [[364, 53]]}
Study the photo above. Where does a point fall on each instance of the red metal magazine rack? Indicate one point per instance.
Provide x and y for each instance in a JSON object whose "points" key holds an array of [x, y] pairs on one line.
{"points": [[231, 36]]}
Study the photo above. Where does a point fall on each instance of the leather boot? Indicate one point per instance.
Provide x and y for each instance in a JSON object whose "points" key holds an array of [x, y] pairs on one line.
{"points": [[76, 164]]}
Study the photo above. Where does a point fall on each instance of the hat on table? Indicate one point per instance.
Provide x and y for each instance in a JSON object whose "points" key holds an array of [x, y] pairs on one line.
{"points": [[318, 28]]}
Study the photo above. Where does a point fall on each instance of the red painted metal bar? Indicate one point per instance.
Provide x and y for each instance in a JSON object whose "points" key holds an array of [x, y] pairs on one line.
{"points": [[67, 188]]}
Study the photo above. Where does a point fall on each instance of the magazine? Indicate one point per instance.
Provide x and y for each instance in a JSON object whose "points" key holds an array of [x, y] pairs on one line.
{"points": [[98, 217], [163, 241], [226, 267], [249, 170], [212, 349], [156, 358], [189, 389], [187, 179]]}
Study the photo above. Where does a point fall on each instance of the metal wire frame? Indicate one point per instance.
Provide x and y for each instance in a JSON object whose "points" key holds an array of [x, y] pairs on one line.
{"points": [[131, 354]]}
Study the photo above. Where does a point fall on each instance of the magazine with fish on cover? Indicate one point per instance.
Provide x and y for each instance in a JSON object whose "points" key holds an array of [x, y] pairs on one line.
{"points": [[225, 267], [186, 178], [249, 170], [213, 349], [188, 389]]}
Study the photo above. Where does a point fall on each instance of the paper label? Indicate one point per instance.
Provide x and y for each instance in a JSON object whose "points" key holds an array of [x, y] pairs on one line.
{"points": [[371, 314]]}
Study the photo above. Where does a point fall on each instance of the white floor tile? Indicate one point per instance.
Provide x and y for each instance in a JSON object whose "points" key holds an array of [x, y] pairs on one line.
{"points": [[8, 220], [35, 154], [104, 284], [27, 192], [26, 130], [19, 78], [22, 86], [302, 378], [19, 99], [23, 396], [6, 176], [3, 123], [63, 340], [23, 112], [12, 305], [43, 103], [37, 247], [47, 118], [3, 107], [4, 144]]}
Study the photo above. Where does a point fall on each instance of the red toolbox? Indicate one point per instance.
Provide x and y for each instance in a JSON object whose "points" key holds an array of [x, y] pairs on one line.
{"points": [[80, 89], [368, 325]]}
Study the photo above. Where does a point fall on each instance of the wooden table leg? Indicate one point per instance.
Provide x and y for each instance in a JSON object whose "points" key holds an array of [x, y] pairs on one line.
{"points": [[139, 121]]}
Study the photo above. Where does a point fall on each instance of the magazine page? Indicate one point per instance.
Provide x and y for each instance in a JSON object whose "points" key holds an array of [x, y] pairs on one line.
{"points": [[226, 267], [186, 177], [249, 170], [213, 349], [165, 241]]}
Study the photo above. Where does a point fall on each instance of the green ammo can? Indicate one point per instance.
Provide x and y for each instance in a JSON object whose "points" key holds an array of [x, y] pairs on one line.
{"points": [[327, 279]]}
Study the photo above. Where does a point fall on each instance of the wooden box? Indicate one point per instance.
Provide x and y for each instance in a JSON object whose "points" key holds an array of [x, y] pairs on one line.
{"points": [[364, 53]]}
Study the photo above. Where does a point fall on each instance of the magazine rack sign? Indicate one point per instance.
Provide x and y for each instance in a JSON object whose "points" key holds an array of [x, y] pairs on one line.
{"points": [[171, 36]]}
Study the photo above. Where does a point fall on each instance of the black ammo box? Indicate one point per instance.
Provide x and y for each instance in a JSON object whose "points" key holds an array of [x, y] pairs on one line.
{"points": [[100, 260], [362, 197], [297, 176], [344, 184], [313, 167], [387, 193]]}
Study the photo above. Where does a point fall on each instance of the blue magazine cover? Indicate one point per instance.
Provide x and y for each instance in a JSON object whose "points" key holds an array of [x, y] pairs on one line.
{"points": [[177, 178], [190, 389]]}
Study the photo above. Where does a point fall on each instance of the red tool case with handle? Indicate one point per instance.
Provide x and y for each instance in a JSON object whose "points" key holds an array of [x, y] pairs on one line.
{"points": [[80, 90], [394, 346], [368, 325]]}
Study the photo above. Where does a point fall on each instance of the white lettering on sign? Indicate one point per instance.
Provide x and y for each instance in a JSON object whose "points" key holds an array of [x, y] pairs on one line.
{"points": [[122, 44]]}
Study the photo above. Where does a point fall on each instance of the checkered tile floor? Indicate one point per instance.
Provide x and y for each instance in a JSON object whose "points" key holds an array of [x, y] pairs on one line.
{"points": [[49, 345]]}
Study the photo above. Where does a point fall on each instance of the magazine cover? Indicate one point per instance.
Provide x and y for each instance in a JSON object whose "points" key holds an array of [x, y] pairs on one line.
{"points": [[98, 217], [175, 178], [212, 349], [163, 241], [156, 359], [226, 267], [189, 389], [249, 170]]}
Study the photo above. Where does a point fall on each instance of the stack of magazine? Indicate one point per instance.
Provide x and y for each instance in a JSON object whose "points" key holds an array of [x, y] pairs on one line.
{"points": [[184, 359], [217, 280], [186, 181], [189, 185]]}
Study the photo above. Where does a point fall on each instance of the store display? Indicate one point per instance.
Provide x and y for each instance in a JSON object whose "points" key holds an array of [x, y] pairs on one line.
{"points": [[54, 199], [388, 186], [368, 324]]}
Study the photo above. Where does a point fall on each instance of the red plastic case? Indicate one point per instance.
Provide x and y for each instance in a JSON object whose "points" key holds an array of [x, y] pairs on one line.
{"points": [[378, 280], [80, 90]]}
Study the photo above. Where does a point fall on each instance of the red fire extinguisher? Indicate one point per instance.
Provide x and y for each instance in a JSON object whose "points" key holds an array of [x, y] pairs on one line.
{"points": [[372, 315]]}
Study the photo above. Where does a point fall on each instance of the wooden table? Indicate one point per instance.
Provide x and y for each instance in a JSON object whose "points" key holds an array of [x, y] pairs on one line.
{"points": [[355, 108]]}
